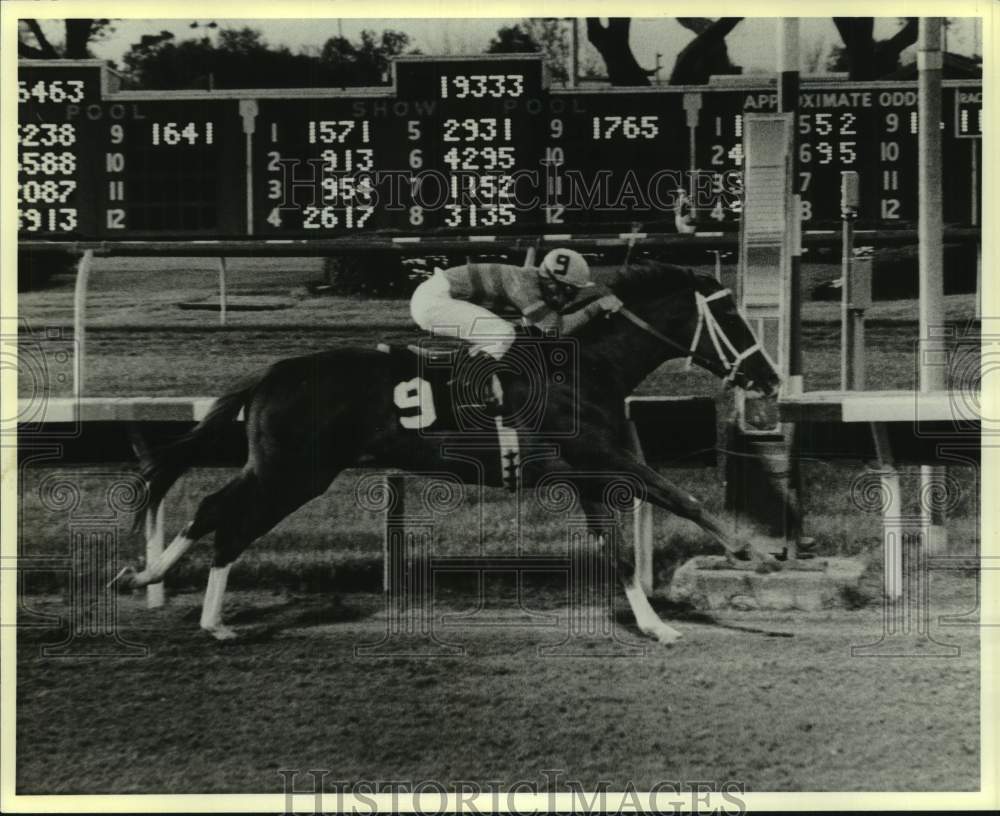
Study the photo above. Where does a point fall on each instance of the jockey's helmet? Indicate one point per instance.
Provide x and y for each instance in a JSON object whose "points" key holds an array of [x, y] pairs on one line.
{"points": [[566, 267]]}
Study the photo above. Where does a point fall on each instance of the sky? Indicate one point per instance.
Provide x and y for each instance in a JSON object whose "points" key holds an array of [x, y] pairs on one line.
{"points": [[752, 44]]}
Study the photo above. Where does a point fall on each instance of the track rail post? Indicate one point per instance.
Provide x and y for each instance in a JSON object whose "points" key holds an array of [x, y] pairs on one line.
{"points": [[80, 320], [155, 595], [642, 524], [223, 292]]}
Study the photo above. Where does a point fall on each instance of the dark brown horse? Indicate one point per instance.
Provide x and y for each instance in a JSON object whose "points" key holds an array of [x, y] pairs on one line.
{"points": [[308, 418]]}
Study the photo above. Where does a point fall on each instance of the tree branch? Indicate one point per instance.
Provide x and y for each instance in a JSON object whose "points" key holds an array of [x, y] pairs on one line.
{"points": [[26, 51], [77, 36], [619, 26], [717, 31], [696, 24], [854, 30], [596, 33], [706, 53], [903, 38], [612, 43], [859, 45], [44, 46]]}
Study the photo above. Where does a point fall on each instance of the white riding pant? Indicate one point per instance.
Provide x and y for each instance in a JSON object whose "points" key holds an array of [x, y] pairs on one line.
{"points": [[435, 310]]}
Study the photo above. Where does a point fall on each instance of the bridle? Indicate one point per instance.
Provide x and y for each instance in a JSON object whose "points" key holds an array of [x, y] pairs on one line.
{"points": [[729, 358]]}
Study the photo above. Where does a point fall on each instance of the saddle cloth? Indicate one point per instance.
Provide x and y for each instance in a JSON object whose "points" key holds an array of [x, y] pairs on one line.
{"points": [[438, 391]]}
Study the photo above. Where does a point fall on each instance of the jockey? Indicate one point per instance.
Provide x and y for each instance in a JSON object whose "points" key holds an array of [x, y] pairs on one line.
{"points": [[462, 301]]}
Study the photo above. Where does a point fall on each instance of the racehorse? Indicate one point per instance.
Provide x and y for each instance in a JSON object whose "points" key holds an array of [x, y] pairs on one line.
{"points": [[308, 418]]}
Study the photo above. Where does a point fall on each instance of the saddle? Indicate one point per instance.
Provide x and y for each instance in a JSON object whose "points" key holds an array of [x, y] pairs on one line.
{"points": [[440, 387]]}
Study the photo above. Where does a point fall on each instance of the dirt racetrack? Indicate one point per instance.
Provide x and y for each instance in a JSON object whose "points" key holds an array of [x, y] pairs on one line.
{"points": [[772, 713], [725, 705]]}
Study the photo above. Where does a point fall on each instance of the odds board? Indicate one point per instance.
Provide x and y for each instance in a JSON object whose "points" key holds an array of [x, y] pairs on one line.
{"points": [[475, 146]]}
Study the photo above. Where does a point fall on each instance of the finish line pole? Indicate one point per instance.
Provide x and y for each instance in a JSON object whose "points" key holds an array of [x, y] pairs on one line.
{"points": [[930, 230], [788, 102], [929, 223]]}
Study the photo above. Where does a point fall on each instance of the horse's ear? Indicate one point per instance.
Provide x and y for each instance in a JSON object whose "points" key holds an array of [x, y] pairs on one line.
{"points": [[704, 282]]}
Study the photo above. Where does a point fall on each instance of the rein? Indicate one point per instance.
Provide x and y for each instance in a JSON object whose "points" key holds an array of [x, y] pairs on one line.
{"points": [[723, 366]]}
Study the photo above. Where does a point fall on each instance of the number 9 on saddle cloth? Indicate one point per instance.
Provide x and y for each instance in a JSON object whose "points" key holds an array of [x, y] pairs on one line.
{"points": [[440, 388]]}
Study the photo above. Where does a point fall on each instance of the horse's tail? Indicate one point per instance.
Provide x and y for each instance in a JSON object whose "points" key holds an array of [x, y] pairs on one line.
{"points": [[162, 467]]}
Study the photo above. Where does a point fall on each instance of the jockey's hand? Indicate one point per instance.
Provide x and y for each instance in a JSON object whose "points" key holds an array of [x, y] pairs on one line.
{"points": [[609, 304]]}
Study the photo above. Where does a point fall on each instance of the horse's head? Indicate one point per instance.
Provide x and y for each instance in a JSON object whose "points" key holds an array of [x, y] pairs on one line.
{"points": [[724, 337], [699, 318]]}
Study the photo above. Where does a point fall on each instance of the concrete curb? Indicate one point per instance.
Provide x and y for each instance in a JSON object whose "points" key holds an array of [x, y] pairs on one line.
{"points": [[709, 582]]}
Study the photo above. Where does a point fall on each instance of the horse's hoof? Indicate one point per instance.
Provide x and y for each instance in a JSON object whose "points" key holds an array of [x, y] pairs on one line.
{"points": [[665, 636], [668, 638], [220, 632]]}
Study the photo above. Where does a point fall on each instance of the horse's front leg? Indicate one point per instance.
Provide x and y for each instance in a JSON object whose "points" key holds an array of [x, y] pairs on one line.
{"points": [[666, 495], [602, 526]]}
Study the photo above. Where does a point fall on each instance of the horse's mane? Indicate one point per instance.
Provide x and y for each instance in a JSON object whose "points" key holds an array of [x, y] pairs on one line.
{"points": [[648, 279], [642, 282]]}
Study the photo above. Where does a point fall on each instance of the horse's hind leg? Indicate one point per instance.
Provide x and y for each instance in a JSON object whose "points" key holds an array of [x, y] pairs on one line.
{"points": [[206, 519], [252, 509]]}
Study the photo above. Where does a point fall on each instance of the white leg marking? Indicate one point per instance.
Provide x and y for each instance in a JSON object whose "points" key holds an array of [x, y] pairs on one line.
{"points": [[154, 572], [211, 610], [647, 619]]}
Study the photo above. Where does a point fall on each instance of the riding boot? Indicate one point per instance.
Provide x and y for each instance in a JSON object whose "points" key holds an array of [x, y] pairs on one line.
{"points": [[486, 374], [494, 403]]}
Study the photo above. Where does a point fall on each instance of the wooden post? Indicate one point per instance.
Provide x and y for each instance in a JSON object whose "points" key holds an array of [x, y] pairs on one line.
{"points": [[80, 320]]}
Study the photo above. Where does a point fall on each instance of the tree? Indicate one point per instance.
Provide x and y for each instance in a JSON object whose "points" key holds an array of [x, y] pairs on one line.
{"points": [[513, 40], [243, 59], [366, 63], [706, 54], [864, 57], [612, 43], [815, 56], [77, 36], [537, 35]]}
